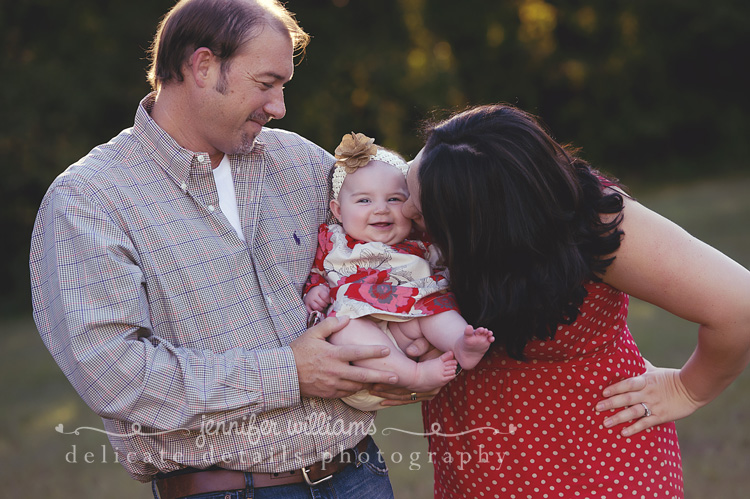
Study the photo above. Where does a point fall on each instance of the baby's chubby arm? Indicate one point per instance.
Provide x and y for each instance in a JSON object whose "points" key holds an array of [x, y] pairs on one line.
{"points": [[317, 298]]}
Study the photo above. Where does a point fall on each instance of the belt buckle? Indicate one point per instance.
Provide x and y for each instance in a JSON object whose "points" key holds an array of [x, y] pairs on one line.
{"points": [[305, 471]]}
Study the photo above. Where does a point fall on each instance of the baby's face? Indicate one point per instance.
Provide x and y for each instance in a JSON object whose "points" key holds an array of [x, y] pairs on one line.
{"points": [[369, 204]]}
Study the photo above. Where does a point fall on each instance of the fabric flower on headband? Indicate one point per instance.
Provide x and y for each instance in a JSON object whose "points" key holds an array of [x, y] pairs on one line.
{"points": [[355, 151]]}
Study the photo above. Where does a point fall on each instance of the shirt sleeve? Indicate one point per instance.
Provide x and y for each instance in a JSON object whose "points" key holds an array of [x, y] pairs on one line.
{"points": [[92, 310]]}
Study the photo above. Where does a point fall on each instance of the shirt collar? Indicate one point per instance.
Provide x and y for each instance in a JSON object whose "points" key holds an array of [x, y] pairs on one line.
{"points": [[165, 151]]}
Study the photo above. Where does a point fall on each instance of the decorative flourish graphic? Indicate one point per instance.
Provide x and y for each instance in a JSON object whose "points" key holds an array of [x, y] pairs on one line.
{"points": [[136, 427], [250, 429], [317, 424], [435, 431]]}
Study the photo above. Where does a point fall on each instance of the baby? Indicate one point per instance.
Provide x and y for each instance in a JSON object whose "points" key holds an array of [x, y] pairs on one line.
{"points": [[367, 269]]}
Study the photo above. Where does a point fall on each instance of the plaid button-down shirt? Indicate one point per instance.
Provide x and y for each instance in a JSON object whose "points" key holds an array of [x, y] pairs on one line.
{"points": [[169, 326]]}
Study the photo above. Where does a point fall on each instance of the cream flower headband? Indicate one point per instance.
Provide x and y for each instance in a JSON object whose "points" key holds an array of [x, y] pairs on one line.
{"points": [[355, 151]]}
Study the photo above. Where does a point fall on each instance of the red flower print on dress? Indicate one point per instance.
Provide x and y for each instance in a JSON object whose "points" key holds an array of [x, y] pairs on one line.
{"points": [[325, 240], [313, 280], [411, 248], [437, 303], [317, 273], [365, 275], [384, 296], [351, 242], [439, 278]]}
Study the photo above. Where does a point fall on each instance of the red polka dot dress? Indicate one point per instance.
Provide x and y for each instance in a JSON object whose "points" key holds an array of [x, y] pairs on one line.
{"points": [[511, 429]]}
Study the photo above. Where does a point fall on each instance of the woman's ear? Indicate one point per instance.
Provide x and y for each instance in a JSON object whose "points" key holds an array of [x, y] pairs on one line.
{"points": [[335, 208]]}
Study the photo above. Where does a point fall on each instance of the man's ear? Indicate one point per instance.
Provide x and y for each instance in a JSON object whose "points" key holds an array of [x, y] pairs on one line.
{"points": [[201, 67], [335, 208]]}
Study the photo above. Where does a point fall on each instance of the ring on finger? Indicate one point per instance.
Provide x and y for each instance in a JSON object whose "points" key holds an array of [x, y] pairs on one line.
{"points": [[414, 395], [648, 411]]}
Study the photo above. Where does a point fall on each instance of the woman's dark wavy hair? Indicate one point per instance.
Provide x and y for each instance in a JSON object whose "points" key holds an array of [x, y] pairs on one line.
{"points": [[223, 26], [518, 218]]}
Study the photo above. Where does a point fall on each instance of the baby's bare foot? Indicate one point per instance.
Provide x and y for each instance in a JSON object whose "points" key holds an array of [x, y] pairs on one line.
{"points": [[472, 346], [434, 373]]}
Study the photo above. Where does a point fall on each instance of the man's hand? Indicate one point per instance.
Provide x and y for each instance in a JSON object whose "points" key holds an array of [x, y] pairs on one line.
{"points": [[421, 349], [324, 370], [394, 395], [317, 299]]}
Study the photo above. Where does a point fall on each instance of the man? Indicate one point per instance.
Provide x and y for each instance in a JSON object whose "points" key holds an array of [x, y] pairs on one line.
{"points": [[167, 267]]}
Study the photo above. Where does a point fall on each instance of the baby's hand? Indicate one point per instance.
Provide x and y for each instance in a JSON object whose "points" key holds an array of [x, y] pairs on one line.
{"points": [[317, 299]]}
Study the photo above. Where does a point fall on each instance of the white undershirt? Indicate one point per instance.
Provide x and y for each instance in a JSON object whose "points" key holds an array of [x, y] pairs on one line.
{"points": [[227, 198]]}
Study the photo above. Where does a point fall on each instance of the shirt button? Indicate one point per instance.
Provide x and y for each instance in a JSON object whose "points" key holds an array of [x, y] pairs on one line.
{"points": [[211, 208], [201, 158], [184, 187]]}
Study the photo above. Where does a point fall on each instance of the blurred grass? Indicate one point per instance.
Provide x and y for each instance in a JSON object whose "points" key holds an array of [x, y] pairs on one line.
{"points": [[715, 441]]}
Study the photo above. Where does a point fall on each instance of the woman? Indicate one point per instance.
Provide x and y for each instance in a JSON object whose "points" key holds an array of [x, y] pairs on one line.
{"points": [[544, 251]]}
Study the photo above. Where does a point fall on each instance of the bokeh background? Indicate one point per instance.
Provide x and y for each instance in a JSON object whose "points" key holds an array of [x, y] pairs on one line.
{"points": [[654, 92]]}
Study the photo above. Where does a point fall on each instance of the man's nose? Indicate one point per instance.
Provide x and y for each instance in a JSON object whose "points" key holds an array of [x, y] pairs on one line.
{"points": [[275, 107]]}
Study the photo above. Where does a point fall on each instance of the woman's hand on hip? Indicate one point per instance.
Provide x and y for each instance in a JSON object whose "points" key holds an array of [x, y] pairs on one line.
{"points": [[655, 397]]}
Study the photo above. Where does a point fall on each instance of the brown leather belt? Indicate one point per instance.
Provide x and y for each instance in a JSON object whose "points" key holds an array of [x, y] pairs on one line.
{"points": [[203, 482]]}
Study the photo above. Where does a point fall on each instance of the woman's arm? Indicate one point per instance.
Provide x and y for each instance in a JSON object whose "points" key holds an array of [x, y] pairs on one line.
{"points": [[662, 264]]}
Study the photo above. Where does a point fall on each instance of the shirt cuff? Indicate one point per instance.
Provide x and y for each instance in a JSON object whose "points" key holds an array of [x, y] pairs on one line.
{"points": [[278, 378]]}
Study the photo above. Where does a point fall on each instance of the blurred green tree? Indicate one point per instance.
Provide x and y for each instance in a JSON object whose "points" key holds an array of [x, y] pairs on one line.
{"points": [[649, 89]]}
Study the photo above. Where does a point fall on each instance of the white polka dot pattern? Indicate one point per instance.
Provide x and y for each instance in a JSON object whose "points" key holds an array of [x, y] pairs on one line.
{"points": [[560, 447]]}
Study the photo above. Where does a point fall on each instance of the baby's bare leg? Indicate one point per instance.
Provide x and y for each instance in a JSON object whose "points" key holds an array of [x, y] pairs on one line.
{"points": [[449, 331], [420, 377], [404, 333]]}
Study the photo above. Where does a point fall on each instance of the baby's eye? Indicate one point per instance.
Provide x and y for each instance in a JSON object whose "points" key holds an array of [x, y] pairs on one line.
{"points": [[363, 200], [395, 200]]}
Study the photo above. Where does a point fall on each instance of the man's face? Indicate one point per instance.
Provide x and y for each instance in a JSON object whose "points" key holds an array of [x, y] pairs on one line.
{"points": [[250, 94], [369, 204]]}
